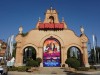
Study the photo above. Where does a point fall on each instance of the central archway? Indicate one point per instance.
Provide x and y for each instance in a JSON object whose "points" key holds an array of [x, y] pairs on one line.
{"points": [[51, 53]]}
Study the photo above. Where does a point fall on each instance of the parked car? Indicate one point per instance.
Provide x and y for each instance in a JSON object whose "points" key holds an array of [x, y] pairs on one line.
{"points": [[3, 67]]}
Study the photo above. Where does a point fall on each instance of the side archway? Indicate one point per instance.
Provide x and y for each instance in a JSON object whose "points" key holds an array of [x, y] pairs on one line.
{"points": [[75, 52], [74, 46], [29, 52]]}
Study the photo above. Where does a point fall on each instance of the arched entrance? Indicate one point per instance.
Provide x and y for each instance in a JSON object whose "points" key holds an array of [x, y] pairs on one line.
{"points": [[75, 52], [29, 52], [51, 53]]}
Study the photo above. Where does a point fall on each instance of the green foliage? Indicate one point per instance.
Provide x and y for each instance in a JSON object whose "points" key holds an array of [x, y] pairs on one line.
{"points": [[72, 62], [93, 55], [39, 60], [83, 68], [14, 50], [68, 53], [22, 68], [15, 44], [74, 54], [14, 53], [12, 68], [32, 63], [93, 67], [24, 34]]}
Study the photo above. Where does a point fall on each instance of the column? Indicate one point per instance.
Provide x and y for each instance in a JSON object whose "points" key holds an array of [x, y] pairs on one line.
{"points": [[40, 54], [19, 58], [62, 56], [65, 50], [85, 55]]}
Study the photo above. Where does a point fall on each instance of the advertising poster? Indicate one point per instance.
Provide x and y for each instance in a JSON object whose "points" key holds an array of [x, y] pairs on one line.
{"points": [[51, 53]]}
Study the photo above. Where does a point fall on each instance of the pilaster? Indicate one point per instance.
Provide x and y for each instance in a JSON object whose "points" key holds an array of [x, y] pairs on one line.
{"points": [[85, 55], [63, 55], [40, 54]]}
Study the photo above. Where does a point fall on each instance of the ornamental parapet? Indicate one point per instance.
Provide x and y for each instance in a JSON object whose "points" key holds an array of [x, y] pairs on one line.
{"points": [[51, 26]]}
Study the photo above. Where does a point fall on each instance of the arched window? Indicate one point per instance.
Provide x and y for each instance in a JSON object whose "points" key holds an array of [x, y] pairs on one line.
{"points": [[51, 19]]}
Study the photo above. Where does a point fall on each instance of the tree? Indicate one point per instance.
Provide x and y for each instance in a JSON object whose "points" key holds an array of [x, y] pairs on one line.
{"points": [[73, 62], [97, 54], [14, 50], [32, 63], [39, 60], [92, 55]]}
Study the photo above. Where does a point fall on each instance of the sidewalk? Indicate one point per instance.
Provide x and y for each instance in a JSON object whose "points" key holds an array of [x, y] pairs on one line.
{"points": [[88, 72], [56, 71], [67, 73]]}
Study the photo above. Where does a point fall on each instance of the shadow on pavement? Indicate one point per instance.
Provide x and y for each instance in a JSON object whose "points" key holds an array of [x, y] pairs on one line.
{"points": [[74, 73]]}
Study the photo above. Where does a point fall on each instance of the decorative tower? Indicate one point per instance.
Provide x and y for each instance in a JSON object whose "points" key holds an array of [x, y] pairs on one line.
{"points": [[84, 41], [51, 21]]}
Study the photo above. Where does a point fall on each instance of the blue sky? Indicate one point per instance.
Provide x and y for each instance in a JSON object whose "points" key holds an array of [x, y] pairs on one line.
{"points": [[16, 13]]}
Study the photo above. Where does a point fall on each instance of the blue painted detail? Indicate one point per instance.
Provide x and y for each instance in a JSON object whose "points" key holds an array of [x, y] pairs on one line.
{"points": [[51, 64]]}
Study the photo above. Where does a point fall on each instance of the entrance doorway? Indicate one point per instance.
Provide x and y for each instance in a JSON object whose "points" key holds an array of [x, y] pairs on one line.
{"points": [[29, 52], [51, 53]]}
